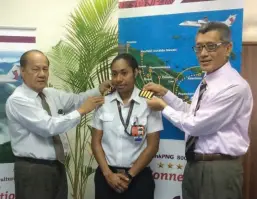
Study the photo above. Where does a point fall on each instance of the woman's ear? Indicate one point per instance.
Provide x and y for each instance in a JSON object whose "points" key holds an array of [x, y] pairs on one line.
{"points": [[136, 72]]}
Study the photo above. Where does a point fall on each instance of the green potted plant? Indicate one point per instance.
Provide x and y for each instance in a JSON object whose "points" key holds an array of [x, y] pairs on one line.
{"points": [[81, 61]]}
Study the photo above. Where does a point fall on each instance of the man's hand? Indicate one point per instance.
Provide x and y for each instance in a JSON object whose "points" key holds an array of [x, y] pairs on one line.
{"points": [[156, 88], [156, 104], [90, 104], [119, 182], [105, 86]]}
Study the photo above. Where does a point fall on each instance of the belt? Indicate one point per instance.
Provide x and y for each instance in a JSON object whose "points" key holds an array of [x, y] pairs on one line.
{"points": [[209, 157], [124, 169], [36, 161], [119, 169]]}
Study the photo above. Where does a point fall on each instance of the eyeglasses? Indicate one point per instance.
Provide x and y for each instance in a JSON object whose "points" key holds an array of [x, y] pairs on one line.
{"points": [[210, 47]]}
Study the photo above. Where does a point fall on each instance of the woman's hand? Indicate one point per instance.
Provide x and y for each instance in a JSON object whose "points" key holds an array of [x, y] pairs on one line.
{"points": [[119, 182]]}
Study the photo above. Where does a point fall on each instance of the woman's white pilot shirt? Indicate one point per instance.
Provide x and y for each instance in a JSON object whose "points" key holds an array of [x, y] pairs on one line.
{"points": [[120, 149]]}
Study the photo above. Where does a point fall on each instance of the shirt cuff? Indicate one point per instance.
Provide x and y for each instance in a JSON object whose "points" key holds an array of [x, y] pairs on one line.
{"points": [[168, 111], [169, 96], [155, 129], [96, 91], [75, 115]]}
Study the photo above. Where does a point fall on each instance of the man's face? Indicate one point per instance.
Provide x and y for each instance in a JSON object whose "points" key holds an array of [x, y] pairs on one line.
{"points": [[123, 76], [214, 54], [35, 73]]}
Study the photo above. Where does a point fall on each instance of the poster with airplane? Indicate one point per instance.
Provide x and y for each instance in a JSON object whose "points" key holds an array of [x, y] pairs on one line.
{"points": [[14, 42], [9, 80], [12, 76], [229, 21], [161, 38]]}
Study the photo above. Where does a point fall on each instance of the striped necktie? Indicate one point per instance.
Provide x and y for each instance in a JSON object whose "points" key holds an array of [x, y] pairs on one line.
{"points": [[58, 147], [190, 144]]}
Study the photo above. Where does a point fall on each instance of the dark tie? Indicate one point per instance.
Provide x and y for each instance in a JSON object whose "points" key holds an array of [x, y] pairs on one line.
{"points": [[59, 151], [190, 144]]}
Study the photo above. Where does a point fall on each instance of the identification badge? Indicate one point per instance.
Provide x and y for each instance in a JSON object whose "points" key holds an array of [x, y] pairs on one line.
{"points": [[138, 131]]}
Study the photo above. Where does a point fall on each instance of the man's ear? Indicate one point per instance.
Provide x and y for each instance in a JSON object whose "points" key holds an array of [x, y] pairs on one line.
{"points": [[22, 70], [229, 49]]}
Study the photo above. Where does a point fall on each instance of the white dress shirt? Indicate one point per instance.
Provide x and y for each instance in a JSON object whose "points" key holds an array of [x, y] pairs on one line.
{"points": [[120, 149], [31, 128], [223, 117]]}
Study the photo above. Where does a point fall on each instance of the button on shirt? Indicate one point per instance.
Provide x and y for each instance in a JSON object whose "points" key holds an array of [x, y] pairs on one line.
{"points": [[120, 149], [31, 128], [223, 117]]}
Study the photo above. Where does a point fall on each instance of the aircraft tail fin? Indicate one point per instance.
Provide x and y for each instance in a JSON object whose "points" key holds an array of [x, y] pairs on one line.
{"points": [[230, 20], [14, 73]]}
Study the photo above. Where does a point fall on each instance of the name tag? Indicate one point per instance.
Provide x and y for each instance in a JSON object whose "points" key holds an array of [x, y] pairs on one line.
{"points": [[138, 132]]}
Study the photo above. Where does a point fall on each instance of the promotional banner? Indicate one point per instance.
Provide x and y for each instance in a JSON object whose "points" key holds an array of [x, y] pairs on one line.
{"points": [[161, 34], [13, 42]]}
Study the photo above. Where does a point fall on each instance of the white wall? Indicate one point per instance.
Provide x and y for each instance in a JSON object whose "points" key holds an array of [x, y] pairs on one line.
{"points": [[50, 17], [250, 21]]}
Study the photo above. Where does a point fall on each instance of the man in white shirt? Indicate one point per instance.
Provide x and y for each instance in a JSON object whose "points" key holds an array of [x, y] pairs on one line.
{"points": [[36, 118], [215, 123]]}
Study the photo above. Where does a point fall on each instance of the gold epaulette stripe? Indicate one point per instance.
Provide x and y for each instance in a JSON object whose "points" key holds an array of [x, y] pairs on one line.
{"points": [[146, 94]]}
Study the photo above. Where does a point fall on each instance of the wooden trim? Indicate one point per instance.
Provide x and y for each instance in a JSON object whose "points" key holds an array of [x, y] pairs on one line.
{"points": [[249, 43], [249, 72]]}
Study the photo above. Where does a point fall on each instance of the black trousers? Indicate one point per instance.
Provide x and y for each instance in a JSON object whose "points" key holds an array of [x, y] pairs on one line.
{"points": [[141, 187], [40, 179]]}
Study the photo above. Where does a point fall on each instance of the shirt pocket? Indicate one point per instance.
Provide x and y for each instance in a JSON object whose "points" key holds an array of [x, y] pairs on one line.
{"points": [[142, 121], [108, 120], [139, 121], [107, 117]]}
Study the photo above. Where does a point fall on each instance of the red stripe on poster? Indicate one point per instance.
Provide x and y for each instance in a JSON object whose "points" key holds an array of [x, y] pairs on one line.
{"points": [[17, 39], [191, 1], [143, 3]]}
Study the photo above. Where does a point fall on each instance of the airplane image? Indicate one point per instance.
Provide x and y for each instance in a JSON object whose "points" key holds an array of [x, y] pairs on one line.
{"points": [[12, 76], [229, 21]]}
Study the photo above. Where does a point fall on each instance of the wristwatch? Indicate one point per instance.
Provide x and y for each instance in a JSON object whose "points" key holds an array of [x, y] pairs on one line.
{"points": [[129, 176]]}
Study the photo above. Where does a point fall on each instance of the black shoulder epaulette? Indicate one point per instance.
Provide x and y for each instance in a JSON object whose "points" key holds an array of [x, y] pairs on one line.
{"points": [[146, 94]]}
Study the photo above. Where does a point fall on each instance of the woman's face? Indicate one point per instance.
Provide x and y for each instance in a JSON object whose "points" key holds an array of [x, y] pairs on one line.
{"points": [[123, 76]]}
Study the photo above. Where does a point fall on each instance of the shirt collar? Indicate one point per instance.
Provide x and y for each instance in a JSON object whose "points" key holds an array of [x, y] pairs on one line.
{"points": [[218, 73], [31, 93], [134, 96]]}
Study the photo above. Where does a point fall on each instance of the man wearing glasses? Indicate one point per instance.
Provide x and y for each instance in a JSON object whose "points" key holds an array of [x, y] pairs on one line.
{"points": [[215, 123]]}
